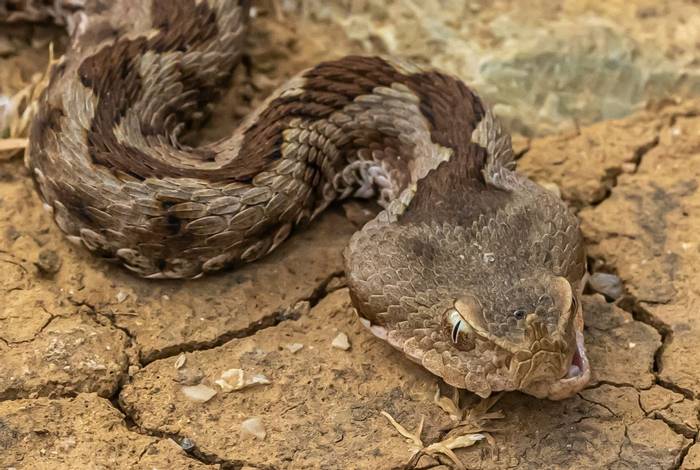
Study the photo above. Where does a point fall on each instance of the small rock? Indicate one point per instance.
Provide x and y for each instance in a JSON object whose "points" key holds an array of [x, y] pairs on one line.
{"points": [[609, 285], [48, 263], [294, 347], [341, 342], [121, 296], [187, 444], [200, 393], [253, 427]]}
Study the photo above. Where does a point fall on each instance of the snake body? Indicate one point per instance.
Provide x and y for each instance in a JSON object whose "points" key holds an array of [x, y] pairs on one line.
{"points": [[471, 269]]}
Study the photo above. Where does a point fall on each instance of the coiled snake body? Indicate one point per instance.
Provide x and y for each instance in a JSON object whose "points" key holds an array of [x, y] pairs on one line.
{"points": [[471, 269]]}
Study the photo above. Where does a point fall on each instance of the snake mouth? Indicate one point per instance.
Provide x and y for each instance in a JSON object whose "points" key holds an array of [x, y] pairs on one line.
{"points": [[579, 363], [577, 375], [575, 378]]}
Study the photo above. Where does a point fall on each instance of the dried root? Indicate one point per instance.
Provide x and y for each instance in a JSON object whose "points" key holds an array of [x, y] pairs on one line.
{"points": [[470, 425], [17, 112]]}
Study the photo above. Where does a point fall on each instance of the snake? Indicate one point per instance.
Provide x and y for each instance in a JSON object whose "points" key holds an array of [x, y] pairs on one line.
{"points": [[470, 269]]}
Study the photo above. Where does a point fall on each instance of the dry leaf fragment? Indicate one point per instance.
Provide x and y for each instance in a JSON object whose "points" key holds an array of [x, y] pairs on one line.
{"points": [[180, 361], [236, 379]]}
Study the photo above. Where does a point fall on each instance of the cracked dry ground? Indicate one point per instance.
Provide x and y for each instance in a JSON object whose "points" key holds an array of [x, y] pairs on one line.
{"points": [[88, 377]]}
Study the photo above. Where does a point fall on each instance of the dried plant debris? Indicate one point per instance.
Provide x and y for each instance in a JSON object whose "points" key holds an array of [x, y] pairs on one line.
{"points": [[233, 380], [470, 425], [180, 361], [17, 111]]}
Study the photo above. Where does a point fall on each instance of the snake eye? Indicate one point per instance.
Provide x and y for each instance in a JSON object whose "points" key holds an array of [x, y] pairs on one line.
{"points": [[458, 324], [519, 314], [455, 331]]}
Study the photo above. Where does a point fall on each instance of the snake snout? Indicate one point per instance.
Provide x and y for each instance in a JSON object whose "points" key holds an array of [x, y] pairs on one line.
{"points": [[546, 360]]}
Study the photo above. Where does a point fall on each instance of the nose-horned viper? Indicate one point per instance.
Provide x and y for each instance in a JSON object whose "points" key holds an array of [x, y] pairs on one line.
{"points": [[471, 269]]}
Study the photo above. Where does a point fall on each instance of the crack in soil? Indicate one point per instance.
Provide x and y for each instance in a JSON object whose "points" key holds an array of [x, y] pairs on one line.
{"points": [[51, 318], [630, 304], [293, 312], [191, 452], [675, 426], [610, 179], [612, 413], [324, 288]]}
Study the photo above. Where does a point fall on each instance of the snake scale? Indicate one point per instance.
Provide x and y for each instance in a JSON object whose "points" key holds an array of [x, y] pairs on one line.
{"points": [[471, 269]]}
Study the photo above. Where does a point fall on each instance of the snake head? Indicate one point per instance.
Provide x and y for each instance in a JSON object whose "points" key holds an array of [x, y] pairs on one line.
{"points": [[535, 328], [481, 312]]}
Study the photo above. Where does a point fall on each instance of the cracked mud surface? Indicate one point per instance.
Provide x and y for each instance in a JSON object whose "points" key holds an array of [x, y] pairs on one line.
{"points": [[95, 362]]}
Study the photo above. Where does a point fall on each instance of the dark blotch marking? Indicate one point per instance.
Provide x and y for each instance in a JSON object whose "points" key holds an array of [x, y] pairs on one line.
{"points": [[423, 250], [173, 224], [112, 75]]}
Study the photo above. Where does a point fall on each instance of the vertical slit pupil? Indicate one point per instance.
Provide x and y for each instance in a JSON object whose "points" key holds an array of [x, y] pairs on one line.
{"points": [[455, 331]]}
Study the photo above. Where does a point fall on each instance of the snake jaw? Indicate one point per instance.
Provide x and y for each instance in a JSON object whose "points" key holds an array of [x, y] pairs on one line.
{"points": [[577, 376], [576, 370]]}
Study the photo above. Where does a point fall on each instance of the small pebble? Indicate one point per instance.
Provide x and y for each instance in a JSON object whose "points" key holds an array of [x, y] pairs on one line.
{"points": [[253, 427], [294, 347], [609, 285], [341, 342], [48, 263], [200, 393], [121, 296], [187, 444]]}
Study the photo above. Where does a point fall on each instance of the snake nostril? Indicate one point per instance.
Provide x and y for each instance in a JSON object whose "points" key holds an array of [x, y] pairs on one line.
{"points": [[519, 314]]}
